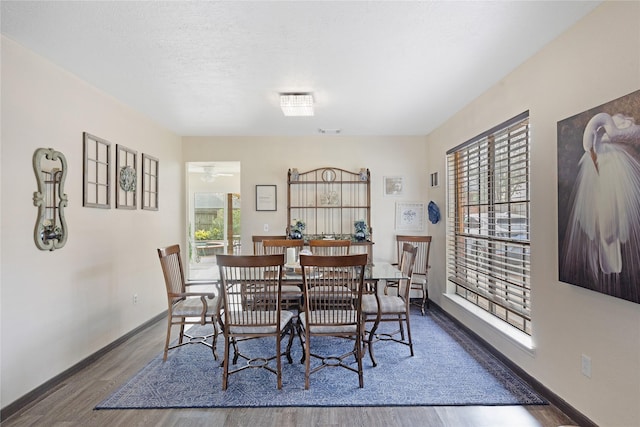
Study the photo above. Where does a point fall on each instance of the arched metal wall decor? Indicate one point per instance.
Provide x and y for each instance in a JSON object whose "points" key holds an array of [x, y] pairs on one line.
{"points": [[50, 167]]}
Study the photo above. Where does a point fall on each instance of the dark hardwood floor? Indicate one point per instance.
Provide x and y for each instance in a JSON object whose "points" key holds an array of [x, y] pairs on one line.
{"points": [[71, 403]]}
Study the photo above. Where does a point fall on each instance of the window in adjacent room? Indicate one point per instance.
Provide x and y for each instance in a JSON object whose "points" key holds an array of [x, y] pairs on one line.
{"points": [[488, 221]]}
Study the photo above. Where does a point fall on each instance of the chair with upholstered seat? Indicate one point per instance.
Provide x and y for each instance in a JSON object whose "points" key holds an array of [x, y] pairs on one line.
{"points": [[187, 307], [332, 308], [377, 309], [253, 310], [257, 242], [291, 293], [419, 285], [329, 247], [280, 246]]}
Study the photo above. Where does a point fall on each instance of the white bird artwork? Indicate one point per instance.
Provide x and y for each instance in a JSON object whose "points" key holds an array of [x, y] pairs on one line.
{"points": [[603, 232]]}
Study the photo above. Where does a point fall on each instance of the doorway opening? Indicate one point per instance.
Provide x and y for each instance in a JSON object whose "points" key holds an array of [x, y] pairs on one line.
{"points": [[213, 215]]}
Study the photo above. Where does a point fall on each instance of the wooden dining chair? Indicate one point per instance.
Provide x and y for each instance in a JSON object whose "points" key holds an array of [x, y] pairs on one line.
{"points": [[332, 308], [280, 246], [252, 310], [330, 247], [291, 293], [419, 285], [257, 242], [377, 309], [187, 307]]}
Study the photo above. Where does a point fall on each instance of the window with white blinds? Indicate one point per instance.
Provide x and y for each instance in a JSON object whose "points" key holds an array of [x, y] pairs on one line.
{"points": [[488, 221]]}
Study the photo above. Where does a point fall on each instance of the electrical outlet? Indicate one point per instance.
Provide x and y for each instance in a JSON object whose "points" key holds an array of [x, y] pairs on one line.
{"points": [[586, 366], [135, 299], [266, 227]]}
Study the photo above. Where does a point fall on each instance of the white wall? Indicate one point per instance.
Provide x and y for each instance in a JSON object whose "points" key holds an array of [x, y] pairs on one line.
{"points": [[596, 61], [60, 307], [266, 160]]}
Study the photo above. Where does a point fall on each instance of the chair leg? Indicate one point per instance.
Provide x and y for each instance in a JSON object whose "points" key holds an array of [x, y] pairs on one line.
{"points": [[221, 325], [359, 356], [225, 363], [215, 339], [181, 332], [236, 351], [279, 360], [166, 343], [409, 333], [425, 298], [370, 343], [291, 330], [307, 359], [300, 332]]}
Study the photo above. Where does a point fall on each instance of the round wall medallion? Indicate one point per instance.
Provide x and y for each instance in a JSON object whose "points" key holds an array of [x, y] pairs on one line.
{"points": [[128, 178], [328, 175]]}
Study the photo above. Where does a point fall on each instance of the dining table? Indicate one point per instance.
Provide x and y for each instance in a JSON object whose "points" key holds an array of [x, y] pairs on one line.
{"points": [[374, 273], [379, 271]]}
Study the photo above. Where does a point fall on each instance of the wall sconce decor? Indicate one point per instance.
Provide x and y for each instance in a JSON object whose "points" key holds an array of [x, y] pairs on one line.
{"points": [[50, 167]]}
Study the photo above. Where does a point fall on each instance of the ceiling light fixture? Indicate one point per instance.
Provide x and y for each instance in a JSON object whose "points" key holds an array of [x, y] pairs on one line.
{"points": [[210, 174], [296, 104]]}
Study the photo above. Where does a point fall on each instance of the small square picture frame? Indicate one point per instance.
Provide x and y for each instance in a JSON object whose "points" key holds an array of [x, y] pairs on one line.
{"points": [[393, 186], [266, 197]]}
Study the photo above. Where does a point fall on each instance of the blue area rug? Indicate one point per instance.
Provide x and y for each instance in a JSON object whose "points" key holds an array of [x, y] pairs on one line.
{"points": [[449, 368]]}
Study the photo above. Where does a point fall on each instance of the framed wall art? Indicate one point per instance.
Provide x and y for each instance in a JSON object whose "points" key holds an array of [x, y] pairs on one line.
{"points": [[127, 178], [150, 183], [393, 185], [266, 198], [598, 198], [96, 187], [410, 216]]}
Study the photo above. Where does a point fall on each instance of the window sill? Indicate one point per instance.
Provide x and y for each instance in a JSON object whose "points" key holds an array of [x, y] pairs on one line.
{"points": [[514, 335]]}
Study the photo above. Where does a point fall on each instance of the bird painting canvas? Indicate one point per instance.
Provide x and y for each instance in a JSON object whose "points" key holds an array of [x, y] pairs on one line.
{"points": [[599, 198]]}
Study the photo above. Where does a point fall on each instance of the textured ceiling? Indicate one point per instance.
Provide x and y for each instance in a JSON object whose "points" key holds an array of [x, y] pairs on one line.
{"points": [[216, 68]]}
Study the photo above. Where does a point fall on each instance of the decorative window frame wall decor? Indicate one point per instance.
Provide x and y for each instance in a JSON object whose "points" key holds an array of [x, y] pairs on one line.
{"points": [[150, 183], [127, 178], [96, 186]]}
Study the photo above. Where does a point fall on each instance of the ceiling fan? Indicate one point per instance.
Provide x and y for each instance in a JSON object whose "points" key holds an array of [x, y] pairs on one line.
{"points": [[210, 174]]}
